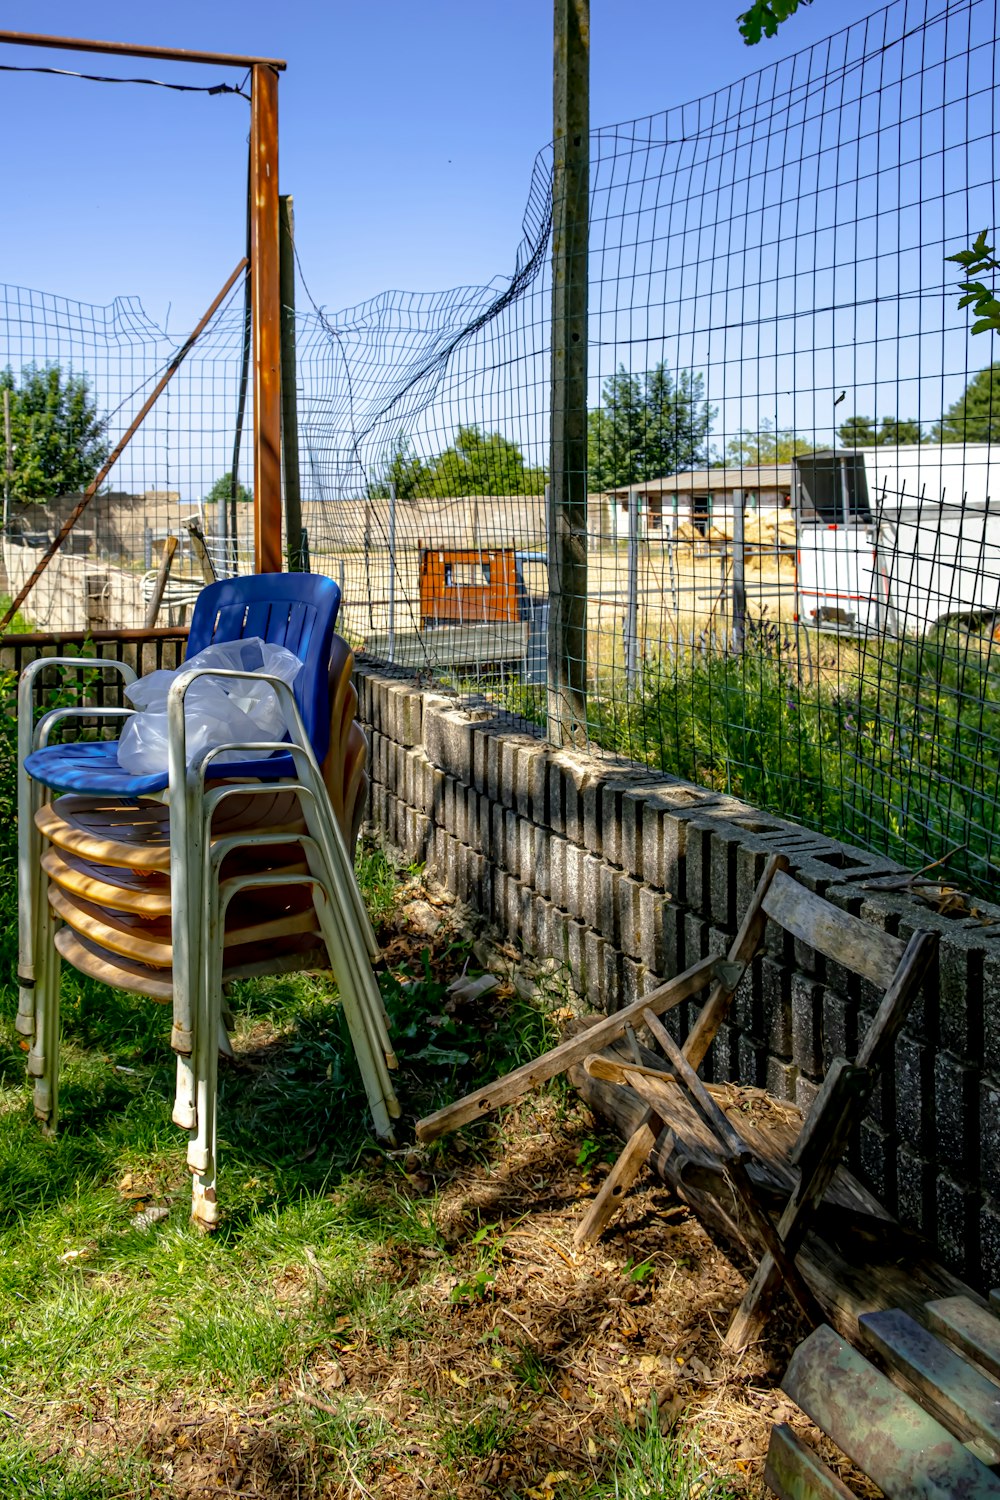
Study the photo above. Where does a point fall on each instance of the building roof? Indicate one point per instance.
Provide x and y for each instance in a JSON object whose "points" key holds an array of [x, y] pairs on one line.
{"points": [[757, 477]]}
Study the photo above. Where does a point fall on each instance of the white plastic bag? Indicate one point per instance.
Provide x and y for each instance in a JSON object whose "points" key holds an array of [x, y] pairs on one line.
{"points": [[217, 710]]}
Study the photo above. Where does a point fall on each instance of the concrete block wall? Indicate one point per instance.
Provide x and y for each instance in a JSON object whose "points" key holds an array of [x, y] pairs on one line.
{"points": [[627, 876]]}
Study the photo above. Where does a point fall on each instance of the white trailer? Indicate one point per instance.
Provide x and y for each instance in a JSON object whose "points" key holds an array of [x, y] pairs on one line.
{"points": [[897, 540]]}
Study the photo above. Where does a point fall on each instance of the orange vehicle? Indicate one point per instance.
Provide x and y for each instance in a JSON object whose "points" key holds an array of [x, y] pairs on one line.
{"points": [[482, 587], [468, 586]]}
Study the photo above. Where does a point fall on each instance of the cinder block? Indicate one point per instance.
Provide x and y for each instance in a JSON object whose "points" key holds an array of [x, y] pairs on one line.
{"points": [[595, 986], [574, 884], [915, 1190], [511, 843], [965, 980], [527, 857], [698, 868], [542, 856], [608, 881], [840, 1028], [807, 1002], [752, 1062], [651, 943], [957, 1230], [989, 1138], [652, 843], [591, 868], [696, 939], [781, 1078], [805, 1093], [914, 1091], [632, 846], [989, 1246], [877, 1161], [722, 878], [629, 919], [956, 1108], [633, 982], [576, 954], [591, 806], [531, 767]]}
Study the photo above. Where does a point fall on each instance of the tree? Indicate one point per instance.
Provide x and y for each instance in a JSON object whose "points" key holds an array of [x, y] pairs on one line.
{"points": [[410, 475], [861, 432], [483, 463], [647, 426], [57, 436], [222, 489], [975, 416], [748, 449]]}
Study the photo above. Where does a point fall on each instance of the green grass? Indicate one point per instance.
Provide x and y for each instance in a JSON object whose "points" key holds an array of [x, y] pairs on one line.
{"points": [[894, 747]]}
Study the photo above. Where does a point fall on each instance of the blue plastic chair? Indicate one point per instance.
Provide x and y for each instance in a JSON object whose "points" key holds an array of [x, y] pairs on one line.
{"points": [[295, 610], [299, 612]]}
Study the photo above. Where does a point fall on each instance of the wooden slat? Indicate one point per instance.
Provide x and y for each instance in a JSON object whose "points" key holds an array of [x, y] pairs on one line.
{"points": [[952, 1389], [908, 1454], [476, 1105], [971, 1327], [834, 933], [830, 1121], [795, 1471], [748, 939]]}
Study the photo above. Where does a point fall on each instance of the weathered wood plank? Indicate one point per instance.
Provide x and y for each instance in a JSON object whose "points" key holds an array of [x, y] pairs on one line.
{"points": [[832, 932], [512, 1085], [745, 945], [795, 1471], [618, 1181], [828, 1127], [948, 1386], [972, 1327], [908, 1454]]}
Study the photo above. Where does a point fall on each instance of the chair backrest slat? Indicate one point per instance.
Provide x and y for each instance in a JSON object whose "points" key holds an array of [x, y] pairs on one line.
{"points": [[834, 933]]}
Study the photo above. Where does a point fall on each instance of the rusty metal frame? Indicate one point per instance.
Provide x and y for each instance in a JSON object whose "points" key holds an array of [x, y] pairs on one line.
{"points": [[264, 263]]}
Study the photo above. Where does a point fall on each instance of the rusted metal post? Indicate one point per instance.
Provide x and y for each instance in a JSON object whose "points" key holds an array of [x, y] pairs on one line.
{"points": [[265, 260], [289, 390], [567, 510]]}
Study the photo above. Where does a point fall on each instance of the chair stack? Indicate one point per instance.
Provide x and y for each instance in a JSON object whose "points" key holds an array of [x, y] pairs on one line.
{"points": [[223, 871]]}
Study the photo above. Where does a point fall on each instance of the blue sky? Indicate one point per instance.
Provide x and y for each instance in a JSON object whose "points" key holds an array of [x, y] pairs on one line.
{"points": [[407, 136]]}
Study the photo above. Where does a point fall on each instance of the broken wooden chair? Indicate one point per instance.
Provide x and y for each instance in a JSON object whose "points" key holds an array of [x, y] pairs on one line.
{"points": [[672, 1091]]}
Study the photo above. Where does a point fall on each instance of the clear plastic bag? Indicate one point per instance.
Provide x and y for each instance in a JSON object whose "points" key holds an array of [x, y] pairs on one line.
{"points": [[217, 711]]}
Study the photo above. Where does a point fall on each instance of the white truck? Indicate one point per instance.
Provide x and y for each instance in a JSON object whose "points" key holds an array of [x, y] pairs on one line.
{"points": [[897, 539]]}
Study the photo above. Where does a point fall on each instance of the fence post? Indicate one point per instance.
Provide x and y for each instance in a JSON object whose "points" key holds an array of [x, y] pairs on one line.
{"points": [[632, 606], [567, 509], [391, 652], [265, 291], [739, 575], [289, 386]]}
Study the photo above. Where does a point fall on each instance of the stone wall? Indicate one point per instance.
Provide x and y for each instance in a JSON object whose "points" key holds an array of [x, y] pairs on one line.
{"points": [[626, 877]]}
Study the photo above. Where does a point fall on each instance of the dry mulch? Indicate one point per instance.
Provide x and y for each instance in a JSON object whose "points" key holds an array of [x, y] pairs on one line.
{"points": [[521, 1337]]}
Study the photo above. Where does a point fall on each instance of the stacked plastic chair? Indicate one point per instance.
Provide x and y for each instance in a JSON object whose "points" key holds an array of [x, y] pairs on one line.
{"points": [[171, 885]]}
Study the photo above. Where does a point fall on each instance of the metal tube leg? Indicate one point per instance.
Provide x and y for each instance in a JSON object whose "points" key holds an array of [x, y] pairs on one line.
{"points": [[202, 1147], [43, 1060], [29, 853]]}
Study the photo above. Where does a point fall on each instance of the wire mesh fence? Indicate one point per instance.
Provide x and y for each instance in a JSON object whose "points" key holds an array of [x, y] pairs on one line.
{"points": [[793, 549]]}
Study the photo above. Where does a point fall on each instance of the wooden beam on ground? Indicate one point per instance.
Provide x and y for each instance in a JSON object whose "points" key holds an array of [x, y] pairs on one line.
{"points": [[476, 1105], [897, 1444]]}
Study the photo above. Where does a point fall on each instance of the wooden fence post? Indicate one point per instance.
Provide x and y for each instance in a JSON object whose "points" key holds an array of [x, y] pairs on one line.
{"points": [[567, 509]]}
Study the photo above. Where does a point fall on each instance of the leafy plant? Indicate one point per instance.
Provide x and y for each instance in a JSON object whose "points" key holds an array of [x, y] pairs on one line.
{"points": [[975, 262]]}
